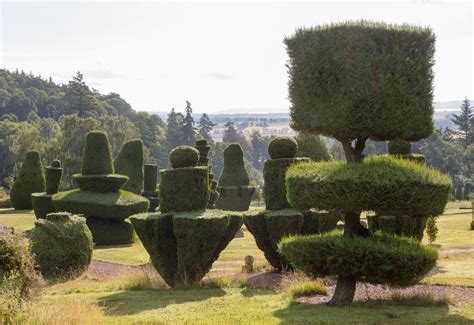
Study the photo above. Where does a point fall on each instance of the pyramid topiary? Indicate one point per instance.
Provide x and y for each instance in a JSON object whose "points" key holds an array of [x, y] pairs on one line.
{"points": [[30, 180], [129, 162], [150, 180], [235, 192], [42, 202], [99, 196], [62, 244]]}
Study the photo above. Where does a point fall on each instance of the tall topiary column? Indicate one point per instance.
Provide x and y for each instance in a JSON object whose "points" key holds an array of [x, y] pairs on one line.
{"points": [[279, 220], [357, 81], [30, 180], [100, 197], [42, 202], [204, 148], [234, 185], [150, 180], [129, 162], [184, 239]]}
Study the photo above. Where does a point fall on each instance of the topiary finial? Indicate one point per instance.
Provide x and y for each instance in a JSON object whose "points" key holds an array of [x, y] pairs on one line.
{"points": [[53, 177], [56, 163], [399, 147], [184, 156], [97, 159], [282, 147], [234, 173]]}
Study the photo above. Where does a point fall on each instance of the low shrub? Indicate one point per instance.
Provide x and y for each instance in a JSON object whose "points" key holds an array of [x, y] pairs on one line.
{"points": [[183, 246], [382, 258], [306, 288], [62, 244], [385, 185]]}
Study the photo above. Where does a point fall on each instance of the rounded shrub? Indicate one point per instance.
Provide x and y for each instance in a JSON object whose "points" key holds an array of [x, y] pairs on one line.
{"points": [[274, 190], [184, 156], [129, 162], [282, 147], [399, 147], [30, 180], [97, 158], [385, 185], [184, 189], [380, 259], [62, 244], [183, 246]]}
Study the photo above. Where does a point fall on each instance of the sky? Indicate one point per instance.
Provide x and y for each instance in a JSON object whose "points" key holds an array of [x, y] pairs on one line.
{"points": [[219, 56]]}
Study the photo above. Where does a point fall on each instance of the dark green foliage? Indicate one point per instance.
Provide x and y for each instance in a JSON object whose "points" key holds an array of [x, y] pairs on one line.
{"points": [[110, 232], [269, 227], [234, 173], [235, 198], [56, 163], [129, 162], [53, 178], [381, 259], [274, 190], [184, 246], [431, 229], [110, 205], [362, 80], [203, 148], [385, 185], [184, 189], [399, 147], [184, 156], [100, 183], [398, 225], [458, 194], [30, 180], [150, 192], [97, 158], [42, 204], [312, 146], [62, 244], [282, 147], [467, 191]]}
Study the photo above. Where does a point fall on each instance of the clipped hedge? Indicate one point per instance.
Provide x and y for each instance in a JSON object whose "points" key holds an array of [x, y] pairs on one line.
{"points": [[30, 180], [234, 198], [234, 172], [269, 227], [385, 185], [282, 147], [184, 189], [183, 246], [62, 244], [380, 259], [129, 162], [398, 225], [111, 205], [361, 79], [100, 183], [97, 158], [110, 232], [42, 204], [274, 190]]}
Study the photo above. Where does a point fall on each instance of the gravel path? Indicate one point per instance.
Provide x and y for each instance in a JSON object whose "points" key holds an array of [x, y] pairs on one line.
{"points": [[103, 269]]}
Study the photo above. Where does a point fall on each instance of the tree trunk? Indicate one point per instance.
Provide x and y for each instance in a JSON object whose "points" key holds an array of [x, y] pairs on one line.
{"points": [[346, 285]]}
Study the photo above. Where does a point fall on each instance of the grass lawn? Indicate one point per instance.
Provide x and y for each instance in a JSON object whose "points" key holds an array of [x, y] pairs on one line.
{"points": [[88, 300]]}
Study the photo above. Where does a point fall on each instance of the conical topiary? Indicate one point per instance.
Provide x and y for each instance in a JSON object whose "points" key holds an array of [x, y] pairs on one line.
{"points": [[97, 158], [129, 162], [30, 180]]}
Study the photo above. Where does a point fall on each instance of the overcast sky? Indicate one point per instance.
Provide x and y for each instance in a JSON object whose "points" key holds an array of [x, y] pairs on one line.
{"points": [[216, 55]]}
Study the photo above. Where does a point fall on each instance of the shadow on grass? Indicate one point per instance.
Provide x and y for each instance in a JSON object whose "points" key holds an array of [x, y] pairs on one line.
{"points": [[132, 302], [371, 312], [249, 292], [12, 211]]}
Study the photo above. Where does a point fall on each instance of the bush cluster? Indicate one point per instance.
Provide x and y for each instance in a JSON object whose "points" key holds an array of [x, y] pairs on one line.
{"points": [[62, 244], [30, 180], [183, 246], [385, 185], [381, 259]]}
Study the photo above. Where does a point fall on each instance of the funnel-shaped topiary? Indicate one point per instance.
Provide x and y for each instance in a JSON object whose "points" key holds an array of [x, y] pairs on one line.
{"points": [[62, 244], [30, 180], [183, 246], [42, 202], [129, 162]]}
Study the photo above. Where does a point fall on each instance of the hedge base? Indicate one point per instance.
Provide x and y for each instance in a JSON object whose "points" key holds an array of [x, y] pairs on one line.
{"points": [[234, 198], [183, 246], [398, 225], [106, 232], [42, 204], [269, 227]]}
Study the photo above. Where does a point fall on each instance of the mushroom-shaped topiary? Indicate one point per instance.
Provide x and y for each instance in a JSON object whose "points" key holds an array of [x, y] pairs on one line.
{"points": [[62, 244], [99, 196], [42, 202], [234, 189], [282, 147], [30, 180], [184, 156], [129, 162]]}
